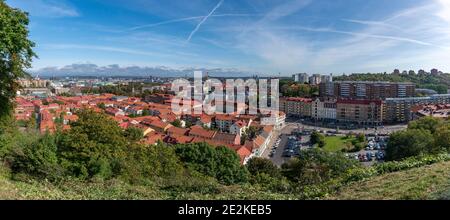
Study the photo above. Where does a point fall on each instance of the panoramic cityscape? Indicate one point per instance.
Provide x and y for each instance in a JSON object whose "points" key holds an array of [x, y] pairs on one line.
{"points": [[224, 100]]}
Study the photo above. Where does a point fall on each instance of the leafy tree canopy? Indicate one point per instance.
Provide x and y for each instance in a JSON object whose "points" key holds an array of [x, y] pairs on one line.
{"points": [[15, 53]]}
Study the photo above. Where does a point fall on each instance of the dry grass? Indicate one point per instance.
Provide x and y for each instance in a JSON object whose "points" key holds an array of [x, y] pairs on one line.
{"points": [[429, 182]]}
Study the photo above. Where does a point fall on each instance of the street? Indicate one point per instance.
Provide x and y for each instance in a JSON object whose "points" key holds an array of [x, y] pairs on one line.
{"points": [[284, 134], [384, 130]]}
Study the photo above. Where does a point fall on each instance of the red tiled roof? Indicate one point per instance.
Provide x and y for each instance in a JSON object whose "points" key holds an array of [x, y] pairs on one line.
{"points": [[201, 132], [224, 117], [71, 117], [268, 128], [243, 152], [177, 131], [179, 139], [240, 124], [204, 118], [159, 124], [259, 140], [154, 137]]}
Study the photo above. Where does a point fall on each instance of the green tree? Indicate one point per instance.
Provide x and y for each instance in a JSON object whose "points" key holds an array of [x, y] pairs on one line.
{"points": [[101, 105], [37, 158], [316, 166], [426, 123], [31, 124], [442, 139], [221, 163], [145, 112], [156, 162], [93, 147], [409, 143], [134, 134], [318, 138], [177, 123], [361, 138], [259, 165], [16, 53]]}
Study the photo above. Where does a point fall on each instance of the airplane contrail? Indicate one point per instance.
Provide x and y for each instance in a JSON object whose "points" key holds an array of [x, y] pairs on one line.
{"points": [[188, 19], [203, 21]]}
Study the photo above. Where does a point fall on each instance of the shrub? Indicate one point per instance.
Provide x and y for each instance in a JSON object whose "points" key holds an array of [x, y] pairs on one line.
{"points": [[221, 162], [38, 158]]}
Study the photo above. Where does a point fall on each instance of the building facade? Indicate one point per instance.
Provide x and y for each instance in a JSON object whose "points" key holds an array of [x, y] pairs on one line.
{"points": [[367, 90], [301, 77], [399, 110], [297, 107], [363, 112], [324, 109]]}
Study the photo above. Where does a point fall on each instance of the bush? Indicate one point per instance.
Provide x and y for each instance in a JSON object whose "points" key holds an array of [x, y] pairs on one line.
{"points": [[95, 146], [393, 166], [221, 162], [133, 134], [151, 163], [361, 138], [38, 158], [317, 166], [259, 165], [318, 138], [409, 143]]}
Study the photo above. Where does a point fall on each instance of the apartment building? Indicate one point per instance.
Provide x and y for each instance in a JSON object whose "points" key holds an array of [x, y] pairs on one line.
{"points": [[363, 112], [315, 79], [367, 90], [399, 110], [324, 109], [297, 107], [301, 78]]}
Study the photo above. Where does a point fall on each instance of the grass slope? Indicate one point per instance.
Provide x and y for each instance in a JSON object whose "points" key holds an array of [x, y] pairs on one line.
{"points": [[118, 190], [428, 182]]}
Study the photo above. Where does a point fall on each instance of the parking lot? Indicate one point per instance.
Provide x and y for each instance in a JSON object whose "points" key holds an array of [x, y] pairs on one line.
{"points": [[287, 146], [294, 138], [373, 153]]}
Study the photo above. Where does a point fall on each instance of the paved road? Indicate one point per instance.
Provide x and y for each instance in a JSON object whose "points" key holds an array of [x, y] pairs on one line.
{"points": [[278, 158], [381, 130]]}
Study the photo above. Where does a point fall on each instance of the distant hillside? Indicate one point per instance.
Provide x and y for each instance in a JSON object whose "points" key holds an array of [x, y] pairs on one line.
{"points": [[136, 71], [428, 182], [438, 83]]}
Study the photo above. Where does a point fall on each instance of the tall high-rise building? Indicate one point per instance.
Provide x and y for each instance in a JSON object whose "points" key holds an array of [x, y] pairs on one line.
{"points": [[301, 77], [326, 78], [315, 79]]}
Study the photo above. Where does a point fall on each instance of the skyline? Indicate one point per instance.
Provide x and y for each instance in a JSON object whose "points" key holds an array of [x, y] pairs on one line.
{"points": [[266, 37]]}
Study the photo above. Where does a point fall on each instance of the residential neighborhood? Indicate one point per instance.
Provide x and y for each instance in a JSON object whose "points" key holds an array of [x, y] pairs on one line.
{"points": [[57, 112]]}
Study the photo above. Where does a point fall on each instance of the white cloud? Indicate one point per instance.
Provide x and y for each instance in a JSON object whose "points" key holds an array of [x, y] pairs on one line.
{"points": [[100, 48], [444, 11], [46, 8], [276, 48]]}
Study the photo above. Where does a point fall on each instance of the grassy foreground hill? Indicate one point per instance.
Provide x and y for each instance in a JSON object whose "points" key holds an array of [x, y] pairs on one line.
{"points": [[119, 190], [428, 182]]}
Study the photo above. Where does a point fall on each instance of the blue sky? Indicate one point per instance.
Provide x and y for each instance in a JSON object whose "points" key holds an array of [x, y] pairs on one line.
{"points": [[258, 36]]}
